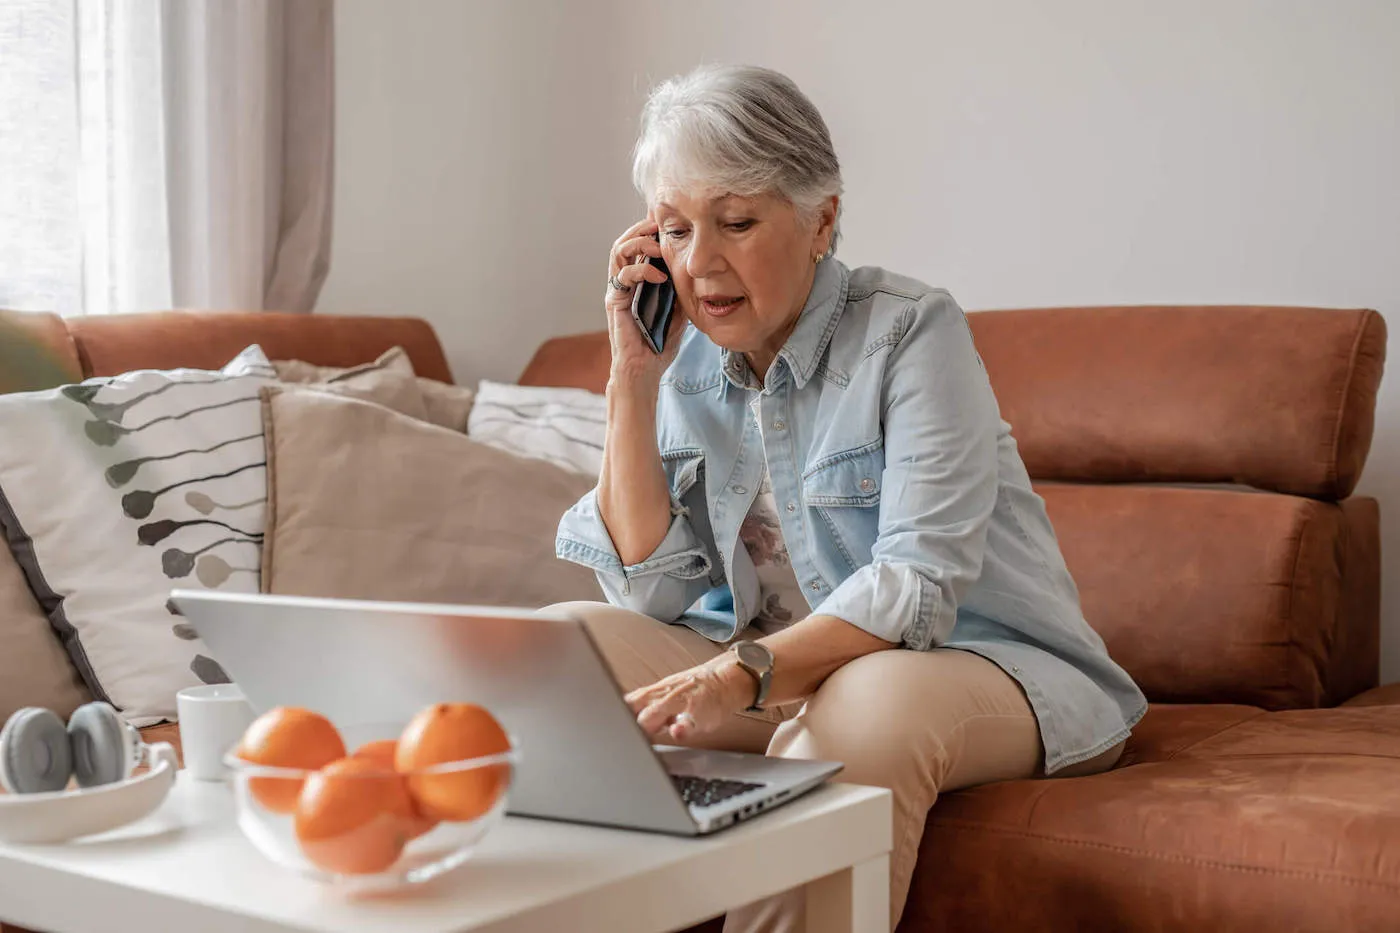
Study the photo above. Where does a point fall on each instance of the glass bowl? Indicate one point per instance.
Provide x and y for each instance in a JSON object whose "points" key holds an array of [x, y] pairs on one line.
{"points": [[368, 829]]}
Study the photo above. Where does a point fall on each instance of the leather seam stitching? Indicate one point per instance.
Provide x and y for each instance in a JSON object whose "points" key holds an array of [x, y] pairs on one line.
{"points": [[1214, 735], [78, 354], [968, 826], [1290, 755], [1333, 473], [80, 350], [1289, 615]]}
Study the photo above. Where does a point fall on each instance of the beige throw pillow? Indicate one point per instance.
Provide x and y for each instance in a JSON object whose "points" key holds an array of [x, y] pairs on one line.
{"points": [[449, 406], [395, 359], [412, 511], [34, 668], [442, 403], [393, 390]]}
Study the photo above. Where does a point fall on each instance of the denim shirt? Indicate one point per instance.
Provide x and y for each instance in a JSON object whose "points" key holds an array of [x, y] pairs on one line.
{"points": [[904, 503]]}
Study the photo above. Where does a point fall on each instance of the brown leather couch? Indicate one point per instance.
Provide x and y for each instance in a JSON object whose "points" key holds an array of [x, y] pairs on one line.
{"points": [[1199, 466]]}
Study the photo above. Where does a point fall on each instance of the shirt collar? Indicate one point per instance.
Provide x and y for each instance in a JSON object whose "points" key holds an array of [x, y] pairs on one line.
{"points": [[807, 342]]}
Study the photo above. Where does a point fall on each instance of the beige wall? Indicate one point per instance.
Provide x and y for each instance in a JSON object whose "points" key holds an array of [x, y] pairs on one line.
{"points": [[1016, 152], [474, 146]]}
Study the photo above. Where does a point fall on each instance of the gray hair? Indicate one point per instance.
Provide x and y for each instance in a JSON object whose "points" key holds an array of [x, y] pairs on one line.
{"points": [[745, 129]]}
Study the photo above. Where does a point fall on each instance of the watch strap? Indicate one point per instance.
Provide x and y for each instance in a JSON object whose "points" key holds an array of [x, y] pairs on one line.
{"points": [[763, 678]]}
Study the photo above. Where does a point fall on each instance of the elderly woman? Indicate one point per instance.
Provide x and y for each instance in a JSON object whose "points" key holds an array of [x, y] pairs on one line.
{"points": [[816, 465]]}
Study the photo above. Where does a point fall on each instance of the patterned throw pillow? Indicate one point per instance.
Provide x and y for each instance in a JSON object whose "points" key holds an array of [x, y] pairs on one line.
{"points": [[115, 490], [564, 426]]}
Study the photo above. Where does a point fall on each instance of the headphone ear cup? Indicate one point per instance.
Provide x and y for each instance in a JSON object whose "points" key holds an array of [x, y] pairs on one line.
{"points": [[99, 740], [35, 756]]}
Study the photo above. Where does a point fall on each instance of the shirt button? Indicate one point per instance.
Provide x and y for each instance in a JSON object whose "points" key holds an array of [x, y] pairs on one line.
{"points": [[741, 490], [792, 506], [815, 584], [779, 424], [1015, 669], [867, 484]]}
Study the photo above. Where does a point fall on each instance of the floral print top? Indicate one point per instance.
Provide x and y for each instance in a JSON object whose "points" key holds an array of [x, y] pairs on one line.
{"points": [[781, 601]]}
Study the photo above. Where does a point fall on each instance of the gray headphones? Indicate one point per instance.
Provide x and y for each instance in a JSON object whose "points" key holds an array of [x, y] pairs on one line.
{"points": [[38, 753]]}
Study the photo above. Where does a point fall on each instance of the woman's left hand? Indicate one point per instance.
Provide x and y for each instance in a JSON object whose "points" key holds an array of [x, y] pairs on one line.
{"points": [[692, 702]]}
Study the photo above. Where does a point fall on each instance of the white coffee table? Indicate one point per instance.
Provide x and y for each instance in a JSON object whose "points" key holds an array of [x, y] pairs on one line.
{"points": [[187, 867]]}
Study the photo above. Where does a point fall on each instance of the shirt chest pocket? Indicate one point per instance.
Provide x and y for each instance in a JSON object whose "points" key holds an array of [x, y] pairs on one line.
{"points": [[683, 470], [843, 491]]}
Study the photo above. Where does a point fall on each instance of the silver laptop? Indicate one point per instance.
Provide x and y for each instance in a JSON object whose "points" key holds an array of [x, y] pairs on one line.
{"points": [[583, 757]]}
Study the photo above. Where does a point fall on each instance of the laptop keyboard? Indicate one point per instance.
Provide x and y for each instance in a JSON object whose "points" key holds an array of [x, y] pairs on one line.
{"points": [[705, 792]]}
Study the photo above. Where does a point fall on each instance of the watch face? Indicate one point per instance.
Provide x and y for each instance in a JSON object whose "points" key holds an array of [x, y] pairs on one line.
{"points": [[754, 655]]}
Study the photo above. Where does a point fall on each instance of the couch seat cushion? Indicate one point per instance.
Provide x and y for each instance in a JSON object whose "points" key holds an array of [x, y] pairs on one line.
{"points": [[165, 732], [1218, 817], [1389, 695]]}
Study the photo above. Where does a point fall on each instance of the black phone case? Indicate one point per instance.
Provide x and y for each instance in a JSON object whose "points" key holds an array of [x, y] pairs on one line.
{"points": [[653, 305]]}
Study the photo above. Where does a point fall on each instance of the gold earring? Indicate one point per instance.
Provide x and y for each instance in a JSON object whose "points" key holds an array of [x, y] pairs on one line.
{"points": [[817, 258]]}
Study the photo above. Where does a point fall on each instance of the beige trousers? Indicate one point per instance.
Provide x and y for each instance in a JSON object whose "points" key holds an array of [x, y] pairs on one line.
{"points": [[915, 722]]}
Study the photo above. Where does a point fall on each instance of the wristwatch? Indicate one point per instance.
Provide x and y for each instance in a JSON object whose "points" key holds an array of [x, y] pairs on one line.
{"points": [[758, 661]]}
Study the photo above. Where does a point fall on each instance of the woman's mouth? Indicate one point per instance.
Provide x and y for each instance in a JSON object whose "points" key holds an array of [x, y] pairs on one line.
{"points": [[720, 305]]}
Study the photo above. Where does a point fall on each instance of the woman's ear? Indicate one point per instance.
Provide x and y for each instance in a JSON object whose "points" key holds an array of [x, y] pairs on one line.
{"points": [[827, 213]]}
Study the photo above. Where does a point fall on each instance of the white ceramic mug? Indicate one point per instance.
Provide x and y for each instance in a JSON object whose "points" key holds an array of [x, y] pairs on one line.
{"points": [[213, 718]]}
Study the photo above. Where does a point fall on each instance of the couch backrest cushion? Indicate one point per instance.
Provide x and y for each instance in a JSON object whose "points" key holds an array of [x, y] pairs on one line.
{"points": [[580, 361], [116, 343], [1216, 595], [36, 352], [1276, 398]]}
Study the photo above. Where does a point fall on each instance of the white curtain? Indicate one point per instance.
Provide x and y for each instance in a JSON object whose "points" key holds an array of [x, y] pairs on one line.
{"points": [[165, 153]]}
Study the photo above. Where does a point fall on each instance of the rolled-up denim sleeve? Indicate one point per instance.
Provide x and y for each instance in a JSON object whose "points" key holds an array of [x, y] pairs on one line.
{"points": [[663, 586], [938, 488]]}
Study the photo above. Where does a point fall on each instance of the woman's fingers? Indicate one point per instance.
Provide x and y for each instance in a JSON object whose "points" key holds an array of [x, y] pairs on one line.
{"points": [[657, 704], [634, 363], [628, 267], [638, 699], [620, 299], [631, 251], [642, 229], [633, 230], [633, 274], [666, 714]]}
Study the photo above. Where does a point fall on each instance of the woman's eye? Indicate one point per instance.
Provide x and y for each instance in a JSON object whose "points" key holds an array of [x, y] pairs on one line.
{"points": [[675, 234], [741, 225]]}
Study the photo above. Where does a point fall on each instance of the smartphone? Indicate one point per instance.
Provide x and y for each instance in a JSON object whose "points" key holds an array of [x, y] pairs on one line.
{"points": [[653, 305]]}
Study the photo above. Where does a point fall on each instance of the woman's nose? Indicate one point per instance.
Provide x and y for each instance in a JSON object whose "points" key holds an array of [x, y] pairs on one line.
{"points": [[705, 257]]}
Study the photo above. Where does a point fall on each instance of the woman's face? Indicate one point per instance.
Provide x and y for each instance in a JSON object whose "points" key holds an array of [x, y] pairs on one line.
{"points": [[742, 266]]}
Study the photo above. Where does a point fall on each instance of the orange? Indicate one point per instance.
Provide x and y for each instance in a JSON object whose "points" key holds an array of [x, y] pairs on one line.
{"points": [[449, 732], [288, 737], [381, 752], [352, 817]]}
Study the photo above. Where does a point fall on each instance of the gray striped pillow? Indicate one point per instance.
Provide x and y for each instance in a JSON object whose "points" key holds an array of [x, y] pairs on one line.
{"points": [[563, 426]]}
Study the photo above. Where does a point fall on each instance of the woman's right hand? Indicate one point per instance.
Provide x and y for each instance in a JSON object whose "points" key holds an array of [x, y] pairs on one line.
{"points": [[634, 500], [635, 367]]}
